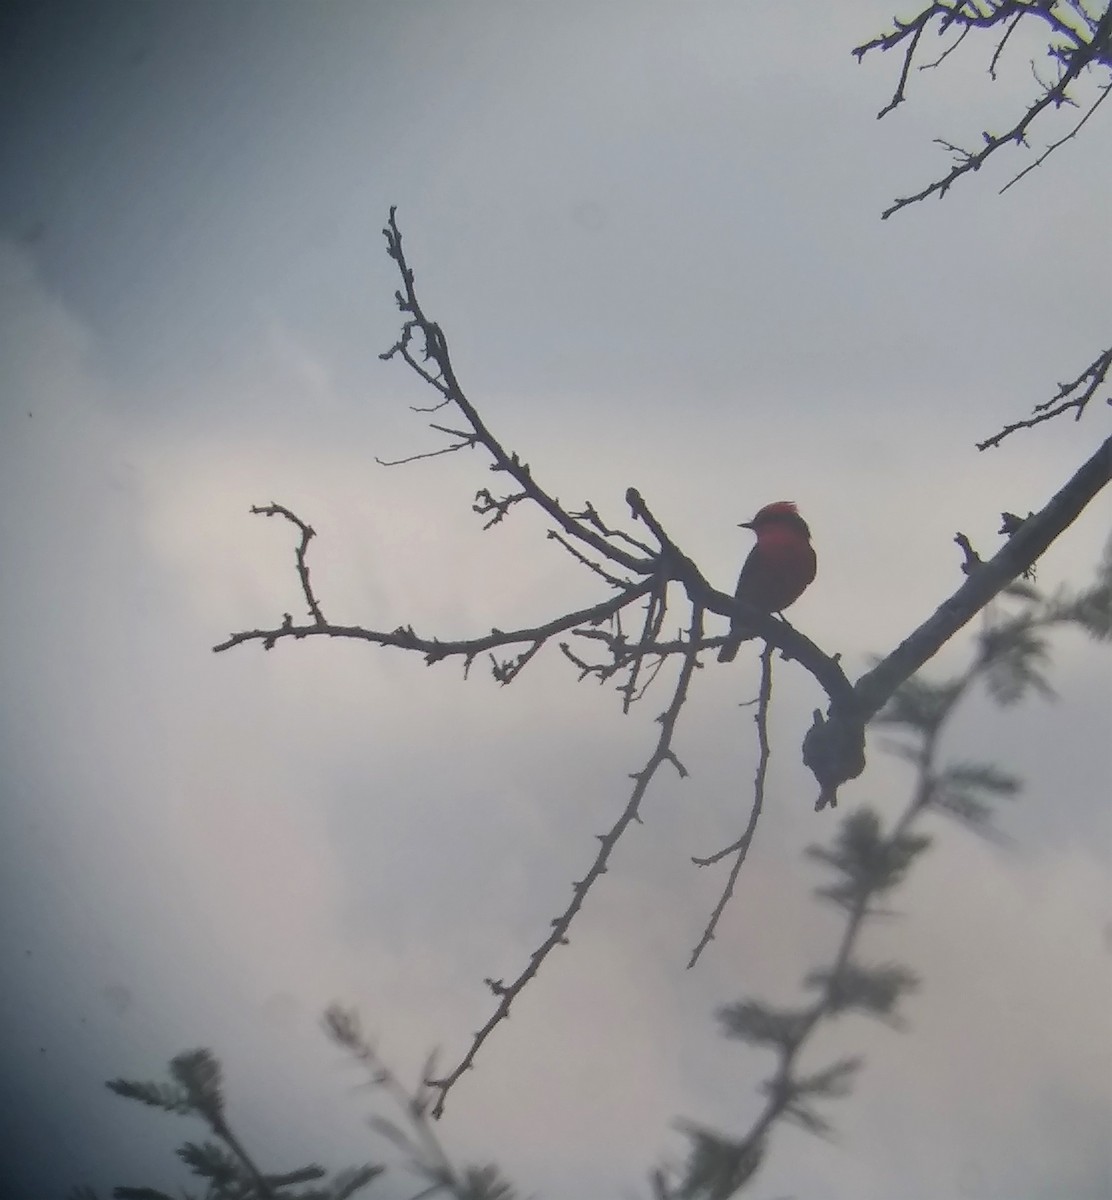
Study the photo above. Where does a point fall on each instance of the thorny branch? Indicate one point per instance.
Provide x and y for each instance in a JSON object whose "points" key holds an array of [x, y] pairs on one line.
{"points": [[1085, 44], [1082, 42], [660, 578], [307, 534], [1074, 395], [434, 650], [442, 377], [662, 753], [1066, 137], [740, 848], [1022, 549]]}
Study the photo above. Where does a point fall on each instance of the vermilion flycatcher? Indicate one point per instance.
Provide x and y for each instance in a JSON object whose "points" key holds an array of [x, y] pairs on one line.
{"points": [[778, 569]]}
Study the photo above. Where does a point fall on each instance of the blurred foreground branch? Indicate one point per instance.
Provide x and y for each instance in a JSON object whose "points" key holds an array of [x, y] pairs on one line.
{"points": [[1009, 660], [196, 1090]]}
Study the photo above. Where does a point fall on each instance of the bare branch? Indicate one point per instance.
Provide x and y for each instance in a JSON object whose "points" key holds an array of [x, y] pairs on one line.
{"points": [[443, 378], [1062, 140], [915, 30], [834, 746], [467, 444], [740, 848], [580, 557], [1018, 554], [662, 753], [654, 620], [307, 534], [590, 515], [1001, 44], [507, 671], [434, 650], [1080, 48], [930, 66], [486, 502], [1062, 401]]}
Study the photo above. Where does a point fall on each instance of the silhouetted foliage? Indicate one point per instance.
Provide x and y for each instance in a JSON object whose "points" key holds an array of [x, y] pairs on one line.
{"points": [[230, 1174], [869, 862]]}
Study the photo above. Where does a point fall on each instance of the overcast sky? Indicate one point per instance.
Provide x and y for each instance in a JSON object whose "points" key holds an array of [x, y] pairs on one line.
{"points": [[652, 235]]}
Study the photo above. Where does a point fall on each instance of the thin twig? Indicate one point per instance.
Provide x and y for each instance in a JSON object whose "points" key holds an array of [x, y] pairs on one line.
{"points": [[434, 649], [307, 534], [1062, 140], [930, 66], [740, 848], [1061, 402], [1073, 58], [662, 753], [655, 608], [590, 564], [445, 382], [1002, 43], [898, 95]]}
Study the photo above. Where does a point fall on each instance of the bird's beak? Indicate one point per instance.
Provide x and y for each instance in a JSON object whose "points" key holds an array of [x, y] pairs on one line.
{"points": [[745, 525]]}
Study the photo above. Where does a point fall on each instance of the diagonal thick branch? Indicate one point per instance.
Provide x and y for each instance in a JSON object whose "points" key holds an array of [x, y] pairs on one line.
{"points": [[1020, 552], [834, 745]]}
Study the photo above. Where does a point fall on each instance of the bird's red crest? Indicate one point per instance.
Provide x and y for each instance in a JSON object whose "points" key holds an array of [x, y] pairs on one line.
{"points": [[781, 508]]}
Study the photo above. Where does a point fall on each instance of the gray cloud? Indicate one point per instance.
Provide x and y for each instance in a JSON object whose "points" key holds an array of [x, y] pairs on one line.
{"points": [[653, 244]]}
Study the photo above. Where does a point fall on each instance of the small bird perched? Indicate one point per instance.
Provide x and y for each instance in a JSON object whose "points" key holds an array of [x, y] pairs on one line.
{"points": [[778, 569]]}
